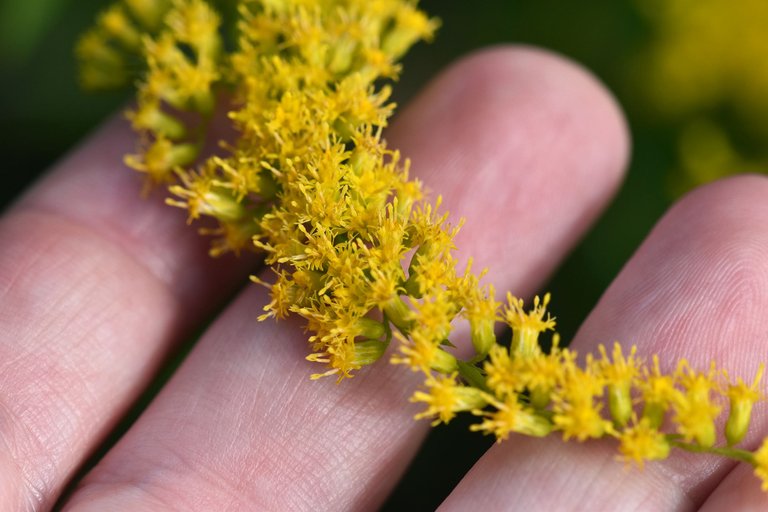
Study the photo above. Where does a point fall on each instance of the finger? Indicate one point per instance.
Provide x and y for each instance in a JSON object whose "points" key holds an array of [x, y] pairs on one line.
{"points": [[739, 490], [527, 161], [697, 288], [95, 286], [241, 424]]}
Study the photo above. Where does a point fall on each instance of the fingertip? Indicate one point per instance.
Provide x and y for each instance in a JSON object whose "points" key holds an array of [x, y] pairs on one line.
{"points": [[501, 85], [735, 195], [522, 140], [558, 88], [700, 274]]}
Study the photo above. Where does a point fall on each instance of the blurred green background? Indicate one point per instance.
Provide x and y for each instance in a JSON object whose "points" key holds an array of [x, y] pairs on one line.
{"points": [[685, 72]]}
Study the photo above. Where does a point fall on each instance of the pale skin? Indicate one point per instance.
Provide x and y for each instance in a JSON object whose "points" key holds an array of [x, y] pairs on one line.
{"points": [[97, 286]]}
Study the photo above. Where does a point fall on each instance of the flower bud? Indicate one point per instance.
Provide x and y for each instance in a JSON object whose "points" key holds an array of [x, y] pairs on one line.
{"points": [[742, 398], [738, 421], [368, 352], [151, 117], [371, 328], [398, 313], [482, 333], [444, 362], [654, 413], [620, 403]]}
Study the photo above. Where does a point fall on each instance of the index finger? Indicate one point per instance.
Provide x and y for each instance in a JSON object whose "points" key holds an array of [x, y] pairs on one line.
{"points": [[96, 285]]}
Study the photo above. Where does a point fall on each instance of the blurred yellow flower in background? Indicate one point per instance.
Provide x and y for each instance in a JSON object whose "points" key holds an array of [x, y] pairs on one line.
{"points": [[704, 69]]}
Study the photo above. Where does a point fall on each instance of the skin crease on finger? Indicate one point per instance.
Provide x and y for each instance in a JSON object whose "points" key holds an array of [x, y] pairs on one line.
{"points": [[696, 288], [241, 427]]}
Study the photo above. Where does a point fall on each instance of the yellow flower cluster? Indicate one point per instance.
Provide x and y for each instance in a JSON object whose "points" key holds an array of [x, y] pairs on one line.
{"points": [[707, 52], [355, 249], [522, 389], [704, 58], [110, 50]]}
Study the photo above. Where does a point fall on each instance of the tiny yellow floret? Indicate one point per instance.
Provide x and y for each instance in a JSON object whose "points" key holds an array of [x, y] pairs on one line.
{"points": [[446, 397], [743, 399], [526, 326], [641, 442], [760, 459]]}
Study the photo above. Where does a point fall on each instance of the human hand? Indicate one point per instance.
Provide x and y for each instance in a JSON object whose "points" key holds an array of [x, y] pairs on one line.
{"points": [[98, 287]]}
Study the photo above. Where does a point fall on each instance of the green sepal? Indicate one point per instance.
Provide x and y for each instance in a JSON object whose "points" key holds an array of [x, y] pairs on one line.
{"points": [[473, 376]]}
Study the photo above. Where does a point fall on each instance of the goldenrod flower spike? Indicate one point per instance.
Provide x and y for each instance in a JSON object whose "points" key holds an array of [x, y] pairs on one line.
{"points": [[355, 248]]}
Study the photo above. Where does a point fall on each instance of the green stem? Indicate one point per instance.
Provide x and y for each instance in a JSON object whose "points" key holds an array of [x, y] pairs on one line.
{"points": [[387, 328], [731, 453]]}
